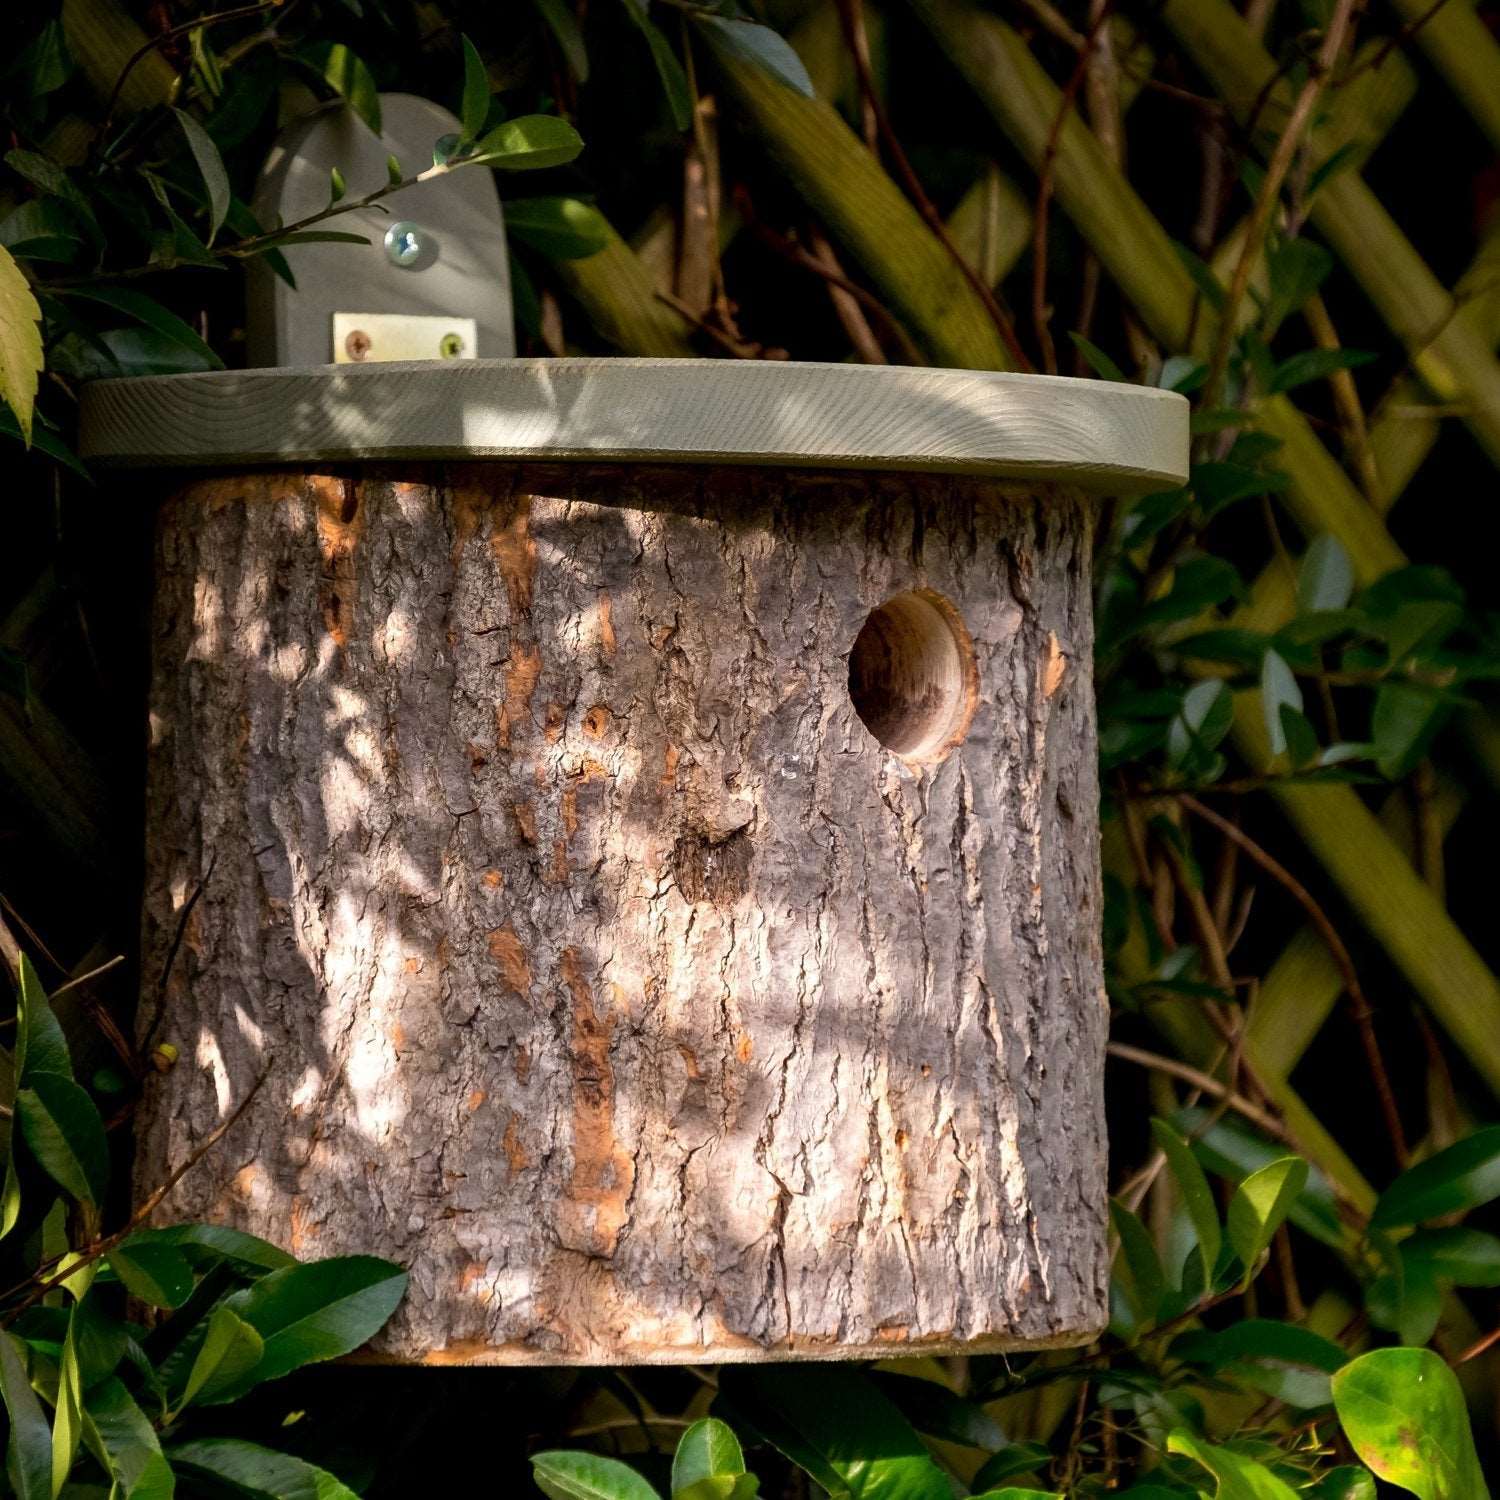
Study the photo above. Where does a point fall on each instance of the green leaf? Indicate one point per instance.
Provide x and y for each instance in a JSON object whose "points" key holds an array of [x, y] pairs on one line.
{"points": [[707, 1450], [1013, 1492], [563, 25], [1291, 1363], [1466, 1257], [157, 1274], [1278, 690], [1405, 721], [319, 1311], [1325, 580], [205, 1244], [40, 1044], [45, 442], [121, 1436], [1239, 1478], [1013, 1459], [1297, 268], [933, 1408], [476, 102], [564, 1475], [348, 77], [393, 172], [336, 186], [1347, 1482], [230, 1350], [1315, 364], [766, 49], [1406, 1300], [1259, 1206], [313, 237], [20, 343], [258, 1473], [834, 1423], [527, 143], [210, 168], [1464, 1176], [28, 1459], [668, 70], [1144, 1282], [1206, 716], [67, 1412], [63, 1130], [153, 315], [1197, 1196], [562, 228], [1403, 1413], [1098, 361]]}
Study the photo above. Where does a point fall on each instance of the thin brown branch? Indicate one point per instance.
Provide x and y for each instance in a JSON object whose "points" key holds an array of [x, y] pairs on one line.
{"points": [[1269, 197], [1201, 1080], [924, 205], [1359, 1004]]}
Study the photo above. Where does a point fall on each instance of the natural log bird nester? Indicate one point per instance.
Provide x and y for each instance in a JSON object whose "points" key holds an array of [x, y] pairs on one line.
{"points": [[643, 822]]}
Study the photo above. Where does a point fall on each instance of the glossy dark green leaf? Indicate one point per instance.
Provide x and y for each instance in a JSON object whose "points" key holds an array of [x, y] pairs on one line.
{"points": [[562, 228], [257, 1473], [1096, 359], [1278, 690], [1406, 719], [229, 1352], [40, 1044], [121, 1436], [1197, 1196], [1014, 1492], [210, 168], [1237, 1477], [936, 1410], [1206, 716], [527, 143], [1296, 269], [1315, 364], [766, 49], [1466, 1257], [1325, 581], [1009, 1461], [1461, 1177], [708, 1458], [1184, 373], [1283, 1360], [204, 1244], [347, 75], [156, 1273], [1143, 1278], [476, 98], [568, 1475], [1407, 1300], [318, 1311], [148, 311], [1261, 1204], [1404, 1415], [563, 25], [63, 1131], [834, 1423], [28, 1459]]}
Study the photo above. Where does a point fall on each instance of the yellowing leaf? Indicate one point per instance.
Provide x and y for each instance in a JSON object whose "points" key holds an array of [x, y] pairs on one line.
{"points": [[20, 343]]}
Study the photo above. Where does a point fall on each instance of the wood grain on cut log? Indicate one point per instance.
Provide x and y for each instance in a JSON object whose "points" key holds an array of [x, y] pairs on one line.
{"points": [[609, 972]]}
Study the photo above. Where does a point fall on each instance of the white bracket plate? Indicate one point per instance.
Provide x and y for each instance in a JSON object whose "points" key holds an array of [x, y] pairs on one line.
{"points": [[374, 338]]}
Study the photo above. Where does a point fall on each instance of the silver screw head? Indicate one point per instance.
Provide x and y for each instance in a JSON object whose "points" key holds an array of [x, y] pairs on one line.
{"points": [[403, 243]]}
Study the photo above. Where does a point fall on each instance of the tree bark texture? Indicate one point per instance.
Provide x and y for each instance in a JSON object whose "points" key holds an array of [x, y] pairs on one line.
{"points": [[605, 970]]}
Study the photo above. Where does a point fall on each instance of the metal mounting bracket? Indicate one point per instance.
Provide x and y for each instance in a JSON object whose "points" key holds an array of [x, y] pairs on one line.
{"points": [[434, 281]]}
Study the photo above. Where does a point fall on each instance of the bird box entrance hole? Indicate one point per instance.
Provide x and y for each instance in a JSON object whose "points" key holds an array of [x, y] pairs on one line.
{"points": [[640, 820]]}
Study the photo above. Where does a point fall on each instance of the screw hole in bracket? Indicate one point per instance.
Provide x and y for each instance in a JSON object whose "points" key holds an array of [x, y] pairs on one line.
{"points": [[912, 675]]}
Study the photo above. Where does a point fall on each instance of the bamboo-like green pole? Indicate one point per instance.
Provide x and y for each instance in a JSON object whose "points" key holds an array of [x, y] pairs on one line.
{"points": [[1415, 929], [1464, 50], [103, 39], [615, 289], [1451, 360], [866, 213]]}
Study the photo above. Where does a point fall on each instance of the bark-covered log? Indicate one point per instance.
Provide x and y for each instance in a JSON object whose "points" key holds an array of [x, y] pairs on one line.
{"points": [[605, 968]]}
